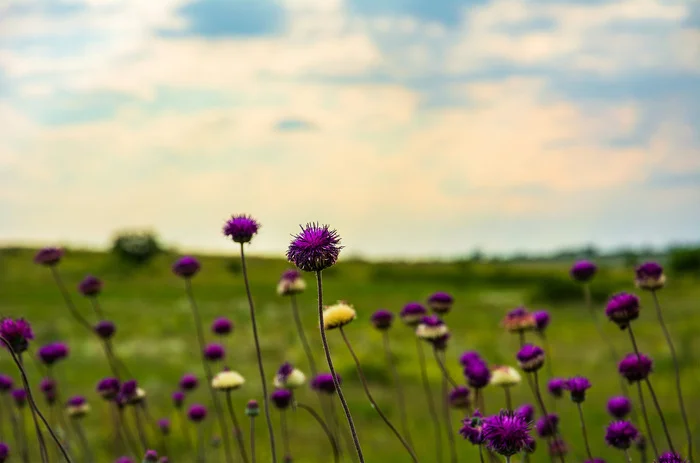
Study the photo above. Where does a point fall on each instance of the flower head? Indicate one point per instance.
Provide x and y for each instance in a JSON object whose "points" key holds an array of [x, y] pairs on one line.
{"points": [[90, 286], [108, 388], [542, 319], [558, 447], [324, 382], [478, 374], [527, 411], [471, 428], [531, 357], [241, 228], [105, 329], [124, 460], [197, 413], [47, 385], [227, 380], [595, 460], [622, 308], [459, 397], [188, 382], [505, 376], [338, 315], [412, 313], [288, 377], [49, 256], [52, 352], [519, 320], [16, 332], [556, 387], [77, 407], [635, 367], [315, 248], [20, 397], [583, 271], [186, 267], [214, 352], [178, 398], [619, 407], [222, 326], [468, 357], [4, 452], [281, 398], [6, 383], [291, 283], [151, 456], [129, 388], [164, 426], [671, 457], [547, 425], [507, 433], [621, 434], [252, 408], [440, 302], [431, 328], [382, 319], [650, 276], [577, 386]]}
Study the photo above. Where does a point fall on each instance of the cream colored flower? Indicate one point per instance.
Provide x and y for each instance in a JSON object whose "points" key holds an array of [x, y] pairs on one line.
{"points": [[288, 287], [78, 411], [292, 381], [227, 381], [432, 331], [505, 376], [340, 314]]}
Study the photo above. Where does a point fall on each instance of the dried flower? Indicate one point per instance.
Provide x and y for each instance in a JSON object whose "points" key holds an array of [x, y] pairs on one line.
{"points": [[623, 308], [241, 228], [619, 407], [291, 283], [583, 271], [635, 367], [507, 433], [338, 315], [577, 386], [382, 319], [650, 276], [531, 357], [90, 286], [412, 313], [315, 248], [49, 256], [17, 333], [621, 434], [440, 302]]}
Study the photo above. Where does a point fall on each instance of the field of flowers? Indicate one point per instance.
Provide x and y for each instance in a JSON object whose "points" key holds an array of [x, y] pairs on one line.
{"points": [[148, 326]]}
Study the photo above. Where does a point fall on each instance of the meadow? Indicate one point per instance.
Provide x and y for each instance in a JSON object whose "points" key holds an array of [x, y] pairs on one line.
{"points": [[156, 340]]}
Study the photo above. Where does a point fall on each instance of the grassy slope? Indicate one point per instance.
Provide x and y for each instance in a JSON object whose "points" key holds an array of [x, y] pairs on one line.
{"points": [[156, 338]]}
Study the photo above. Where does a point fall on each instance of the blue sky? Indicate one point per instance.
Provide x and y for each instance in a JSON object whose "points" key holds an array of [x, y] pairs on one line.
{"points": [[415, 128]]}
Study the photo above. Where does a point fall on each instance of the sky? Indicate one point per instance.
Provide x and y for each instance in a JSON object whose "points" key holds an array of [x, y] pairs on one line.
{"points": [[415, 128]]}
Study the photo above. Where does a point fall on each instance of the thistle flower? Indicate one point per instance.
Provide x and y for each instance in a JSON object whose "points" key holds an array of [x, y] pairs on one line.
{"points": [[128, 388], [124, 460], [241, 228], [108, 388], [440, 302], [519, 320], [178, 398], [105, 329], [623, 308], [151, 455], [282, 398], [583, 271], [77, 407], [621, 434], [222, 326], [468, 357], [4, 452], [315, 248], [214, 352], [558, 447], [556, 387], [577, 386], [188, 382], [6, 383], [459, 397], [20, 397], [186, 267], [507, 433], [227, 381], [635, 367], [531, 357], [47, 385], [542, 320], [197, 413], [167, 460], [49, 256], [472, 427], [547, 426], [291, 283], [164, 426], [619, 407], [527, 411], [52, 352], [17, 333], [671, 457], [90, 286], [338, 315], [431, 328], [478, 374], [252, 408], [505, 376], [650, 276], [323, 382], [382, 319], [288, 377]]}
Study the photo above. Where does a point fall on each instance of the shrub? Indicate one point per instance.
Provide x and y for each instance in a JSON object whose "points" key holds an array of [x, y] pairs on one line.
{"points": [[137, 247], [685, 260]]}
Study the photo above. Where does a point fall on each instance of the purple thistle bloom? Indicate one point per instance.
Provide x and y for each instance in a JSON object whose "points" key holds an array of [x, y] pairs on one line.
{"points": [[622, 308], [577, 386], [151, 455], [285, 370], [90, 286], [619, 407], [49, 256], [556, 386], [471, 428], [47, 385], [6, 383], [222, 326], [671, 457], [650, 276], [241, 228], [52, 352], [188, 382], [108, 388], [290, 275], [315, 248], [558, 447], [635, 367], [507, 433], [164, 426], [478, 374], [252, 408], [459, 397], [583, 271], [324, 382], [542, 320], [468, 357], [178, 398], [124, 460], [530, 357], [281, 398], [519, 320], [197, 413], [440, 302], [4, 451], [105, 329], [595, 460], [186, 267], [412, 313], [20, 397], [382, 318], [164, 460], [76, 401], [214, 352], [527, 411], [621, 434], [547, 425], [129, 388], [17, 333]]}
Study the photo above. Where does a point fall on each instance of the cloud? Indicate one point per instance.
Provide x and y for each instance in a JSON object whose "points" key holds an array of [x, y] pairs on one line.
{"points": [[293, 125]]}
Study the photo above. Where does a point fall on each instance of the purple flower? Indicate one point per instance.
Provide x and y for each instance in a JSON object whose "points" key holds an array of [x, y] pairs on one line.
{"points": [[214, 352], [151, 455], [412, 313], [6, 383], [17, 333], [222, 326], [129, 388], [471, 428], [290, 283], [459, 397], [285, 370], [188, 382], [558, 447], [4, 451], [164, 426], [530, 357], [507, 433], [108, 388], [382, 318], [671, 457], [622, 308], [635, 367], [241, 228], [621, 434], [583, 271], [105, 329], [19, 396], [90, 286], [556, 386], [76, 401], [281, 398], [324, 382], [577, 386], [478, 374], [315, 248], [468, 357], [164, 460], [49, 256], [178, 398], [595, 460], [650, 276], [619, 407], [197, 413], [547, 425], [47, 385], [252, 408], [527, 411], [186, 267], [519, 320], [542, 319], [52, 352], [123, 460], [440, 302]]}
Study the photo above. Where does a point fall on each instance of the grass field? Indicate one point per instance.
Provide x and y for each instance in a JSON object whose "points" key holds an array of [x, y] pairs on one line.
{"points": [[156, 339]]}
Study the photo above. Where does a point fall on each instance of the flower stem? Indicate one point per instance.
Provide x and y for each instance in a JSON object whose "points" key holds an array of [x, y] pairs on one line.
{"points": [[261, 368], [329, 360], [319, 420], [62, 424], [548, 364], [509, 400], [538, 395], [200, 443], [448, 420], [285, 435], [583, 430], [645, 415], [185, 431], [133, 444], [674, 357], [443, 370], [252, 439], [236, 428], [627, 456], [69, 302], [23, 432], [429, 398], [481, 453], [139, 428], [398, 387], [87, 454], [363, 380]]}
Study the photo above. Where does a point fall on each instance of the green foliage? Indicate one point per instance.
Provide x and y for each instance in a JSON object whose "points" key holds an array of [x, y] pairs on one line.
{"points": [[685, 260], [136, 247]]}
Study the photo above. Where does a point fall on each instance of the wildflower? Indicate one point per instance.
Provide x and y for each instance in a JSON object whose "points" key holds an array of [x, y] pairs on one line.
{"points": [[650, 276], [20, 397], [478, 374], [289, 377], [506, 433], [527, 411], [382, 319], [635, 367], [197, 413], [227, 381], [77, 407], [468, 357], [151, 455], [4, 452], [531, 357], [440, 302], [188, 382], [315, 248], [291, 283], [129, 388], [546, 426], [623, 308], [47, 385], [281, 398], [6, 383], [583, 271], [671, 457], [459, 397], [178, 398], [542, 319], [222, 326], [558, 447], [49, 256], [323, 382], [431, 328], [164, 460], [108, 388], [595, 460], [241, 228], [164, 426], [519, 320], [556, 387], [338, 315], [105, 329], [472, 427], [412, 313], [214, 352], [186, 267], [124, 460], [252, 408], [621, 434], [577, 386], [90, 286], [52, 352], [619, 407], [505, 376], [17, 333]]}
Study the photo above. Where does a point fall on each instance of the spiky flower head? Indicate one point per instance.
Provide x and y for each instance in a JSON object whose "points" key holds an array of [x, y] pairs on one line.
{"points": [[4, 452], [227, 380], [622, 308], [471, 428], [164, 426], [505, 376], [459, 397], [412, 313], [650, 276], [77, 407], [48, 256], [324, 382], [282, 398], [468, 357], [583, 271], [124, 460], [621, 434], [197, 413], [635, 367], [577, 387], [222, 326], [542, 320], [188, 382], [382, 319], [288, 377], [507, 433], [478, 374], [19, 396], [241, 228], [527, 411], [291, 283], [51, 353], [186, 267], [338, 315], [128, 388], [671, 457], [546, 426], [47, 385], [252, 408], [151, 456], [17, 333], [558, 447], [105, 329], [315, 248], [556, 387], [6, 383], [440, 302], [619, 407], [108, 388], [214, 352], [519, 320], [431, 328], [531, 357], [178, 398], [90, 286]]}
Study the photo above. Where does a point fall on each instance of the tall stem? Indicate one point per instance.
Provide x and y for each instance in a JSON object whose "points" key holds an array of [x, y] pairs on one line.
{"points": [[583, 430], [185, 431], [481, 453], [133, 444], [509, 400], [548, 365], [87, 454], [69, 302], [200, 443], [39, 435], [252, 439], [62, 424], [645, 416], [236, 428], [207, 371], [261, 368], [448, 420], [677, 371], [543, 409], [443, 370], [430, 400], [363, 380], [285, 435], [139, 428], [24, 439], [627, 456], [329, 361], [319, 420], [398, 387]]}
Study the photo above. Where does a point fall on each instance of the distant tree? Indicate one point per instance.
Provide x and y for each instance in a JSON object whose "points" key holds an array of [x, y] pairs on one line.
{"points": [[137, 247], [685, 260]]}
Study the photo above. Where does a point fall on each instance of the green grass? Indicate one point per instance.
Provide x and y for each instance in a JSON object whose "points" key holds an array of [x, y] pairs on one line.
{"points": [[156, 339]]}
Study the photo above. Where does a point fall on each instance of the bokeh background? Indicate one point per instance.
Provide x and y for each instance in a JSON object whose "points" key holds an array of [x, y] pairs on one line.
{"points": [[476, 147]]}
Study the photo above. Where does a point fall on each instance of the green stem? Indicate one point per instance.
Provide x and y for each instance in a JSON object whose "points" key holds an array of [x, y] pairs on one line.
{"points": [[430, 400]]}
